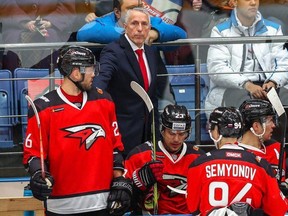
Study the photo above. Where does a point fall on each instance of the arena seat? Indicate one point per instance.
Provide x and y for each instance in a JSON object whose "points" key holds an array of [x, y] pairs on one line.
{"points": [[182, 80], [38, 88], [6, 109]]}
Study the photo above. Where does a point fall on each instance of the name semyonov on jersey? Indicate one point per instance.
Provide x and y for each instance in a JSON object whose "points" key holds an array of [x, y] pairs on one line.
{"points": [[235, 170]]}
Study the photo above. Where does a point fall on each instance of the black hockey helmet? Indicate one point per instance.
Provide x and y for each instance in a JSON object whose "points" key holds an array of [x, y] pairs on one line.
{"points": [[256, 110], [176, 117], [76, 56], [228, 120]]}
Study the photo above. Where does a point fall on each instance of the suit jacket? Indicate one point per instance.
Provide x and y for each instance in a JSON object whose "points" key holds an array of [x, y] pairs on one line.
{"points": [[118, 67]]}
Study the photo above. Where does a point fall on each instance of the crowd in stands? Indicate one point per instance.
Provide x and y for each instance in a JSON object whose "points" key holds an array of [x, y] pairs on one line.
{"points": [[102, 22], [65, 18]]}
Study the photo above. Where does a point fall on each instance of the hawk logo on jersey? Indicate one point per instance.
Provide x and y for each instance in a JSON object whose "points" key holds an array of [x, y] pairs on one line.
{"points": [[87, 134], [176, 181]]}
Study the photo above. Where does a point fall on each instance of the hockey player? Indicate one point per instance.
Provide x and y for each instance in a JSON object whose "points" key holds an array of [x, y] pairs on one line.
{"points": [[259, 122], [78, 133], [229, 179], [173, 157]]}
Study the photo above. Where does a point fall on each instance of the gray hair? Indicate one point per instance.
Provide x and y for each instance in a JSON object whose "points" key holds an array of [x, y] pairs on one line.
{"points": [[140, 9]]}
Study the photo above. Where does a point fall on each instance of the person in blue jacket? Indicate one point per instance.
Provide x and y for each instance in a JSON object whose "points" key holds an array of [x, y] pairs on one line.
{"points": [[109, 27]]}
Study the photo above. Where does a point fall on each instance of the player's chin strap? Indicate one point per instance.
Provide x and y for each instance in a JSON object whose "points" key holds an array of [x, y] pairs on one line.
{"points": [[214, 140], [78, 85], [260, 136]]}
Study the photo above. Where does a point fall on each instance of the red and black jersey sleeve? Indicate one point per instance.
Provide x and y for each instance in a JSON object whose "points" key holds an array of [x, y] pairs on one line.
{"points": [[273, 149], [137, 157]]}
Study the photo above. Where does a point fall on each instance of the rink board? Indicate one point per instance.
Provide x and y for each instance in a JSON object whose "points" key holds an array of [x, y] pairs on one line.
{"points": [[13, 202]]}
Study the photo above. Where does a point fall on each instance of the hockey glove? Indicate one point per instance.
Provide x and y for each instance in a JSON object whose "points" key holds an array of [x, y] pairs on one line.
{"points": [[284, 188], [41, 188], [147, 175], [119, 199]]}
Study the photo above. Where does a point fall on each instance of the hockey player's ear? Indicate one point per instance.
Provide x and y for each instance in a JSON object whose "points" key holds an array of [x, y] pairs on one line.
{"points": [[75, 74], [257, 126], [117, 13]]}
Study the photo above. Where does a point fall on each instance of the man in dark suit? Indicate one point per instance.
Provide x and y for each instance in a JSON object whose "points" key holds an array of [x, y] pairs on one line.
{"points": [[119, 66]]}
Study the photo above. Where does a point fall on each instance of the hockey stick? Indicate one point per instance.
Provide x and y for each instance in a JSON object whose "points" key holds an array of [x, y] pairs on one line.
{"points": [[145, 97], [49, 184], [275, 101]]}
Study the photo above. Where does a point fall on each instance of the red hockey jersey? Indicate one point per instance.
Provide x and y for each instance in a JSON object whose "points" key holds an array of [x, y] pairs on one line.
{"points": [[175, 173], [230, 175], [270, 151], [78, 147]]}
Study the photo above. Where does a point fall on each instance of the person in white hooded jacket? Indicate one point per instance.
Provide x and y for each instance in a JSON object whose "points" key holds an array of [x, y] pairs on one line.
{"points": [[242, 71]]}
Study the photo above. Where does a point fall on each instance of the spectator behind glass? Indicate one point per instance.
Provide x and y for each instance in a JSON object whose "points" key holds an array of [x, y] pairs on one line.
{"points": [[110, 27], [119, 66], [167, 10], [87, 11], [250, 67], [173, 157], [31, 21]]}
